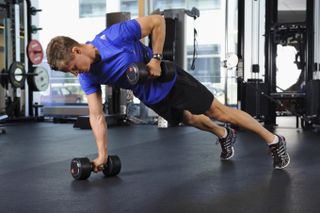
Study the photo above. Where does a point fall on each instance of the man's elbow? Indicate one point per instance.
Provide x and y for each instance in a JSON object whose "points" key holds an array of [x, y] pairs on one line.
{"points": [[159, 19]]}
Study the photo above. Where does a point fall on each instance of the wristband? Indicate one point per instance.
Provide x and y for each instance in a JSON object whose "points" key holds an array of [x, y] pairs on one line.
{"points": [[157, 56]]}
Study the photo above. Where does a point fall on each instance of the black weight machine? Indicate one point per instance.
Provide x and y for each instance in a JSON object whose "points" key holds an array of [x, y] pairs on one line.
{"points": [[301, 99], [14, 75]]}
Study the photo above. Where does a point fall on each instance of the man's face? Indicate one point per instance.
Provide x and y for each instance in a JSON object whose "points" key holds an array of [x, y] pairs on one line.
{"points": [[79, 64]]}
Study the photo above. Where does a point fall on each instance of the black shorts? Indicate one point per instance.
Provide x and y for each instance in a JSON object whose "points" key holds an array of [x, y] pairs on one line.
{"points": [[186, 94]]}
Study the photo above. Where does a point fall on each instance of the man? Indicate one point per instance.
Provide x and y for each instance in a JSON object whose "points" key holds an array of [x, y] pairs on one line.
{"points": [[105, 60]]}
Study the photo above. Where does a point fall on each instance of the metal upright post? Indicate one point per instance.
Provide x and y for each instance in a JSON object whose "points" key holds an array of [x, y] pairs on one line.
{"points": [[316, 31], [240, 47], [270, 54], [28, 32], [309, 51]]}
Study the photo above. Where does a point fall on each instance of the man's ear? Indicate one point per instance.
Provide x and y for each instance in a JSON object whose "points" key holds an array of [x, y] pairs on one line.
{"points": [[76, 50]]}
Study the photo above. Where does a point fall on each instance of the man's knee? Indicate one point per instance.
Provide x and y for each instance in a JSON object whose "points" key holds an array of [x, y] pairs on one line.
{"points": [[214, 111], [188, 118], [219, 111]]}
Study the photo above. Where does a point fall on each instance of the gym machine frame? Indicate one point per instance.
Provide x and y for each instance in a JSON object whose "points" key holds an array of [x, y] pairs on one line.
{"points": [[307, 65], [308, 110]]}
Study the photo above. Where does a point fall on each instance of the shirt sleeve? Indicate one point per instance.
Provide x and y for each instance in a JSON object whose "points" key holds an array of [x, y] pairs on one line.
{"points": [[87, 85], [125, 31]]}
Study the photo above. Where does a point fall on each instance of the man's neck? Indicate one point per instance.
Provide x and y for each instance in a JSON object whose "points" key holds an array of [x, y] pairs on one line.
{"points": [[93, 53], [97, 57]]}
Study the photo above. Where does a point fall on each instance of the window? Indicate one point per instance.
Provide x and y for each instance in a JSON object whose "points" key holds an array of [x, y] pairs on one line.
{"points": [[188, 4], [168, 4], [130, 6], [204, 4], [207, 63], [210, 41], [92, 8]]}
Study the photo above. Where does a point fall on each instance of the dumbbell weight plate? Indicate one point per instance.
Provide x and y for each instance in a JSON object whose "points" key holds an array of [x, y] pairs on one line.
{"points": [[39, 81], [137, 73], [168, 70], [113, 166], [35, 51], [80, 168], [17, 74]]}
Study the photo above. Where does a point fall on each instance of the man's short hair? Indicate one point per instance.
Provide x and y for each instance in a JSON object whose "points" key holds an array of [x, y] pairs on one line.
{"points": [[59, 52]]}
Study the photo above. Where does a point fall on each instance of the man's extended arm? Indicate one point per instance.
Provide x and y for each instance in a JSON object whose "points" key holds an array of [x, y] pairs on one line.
{"points": [[99, 127]]}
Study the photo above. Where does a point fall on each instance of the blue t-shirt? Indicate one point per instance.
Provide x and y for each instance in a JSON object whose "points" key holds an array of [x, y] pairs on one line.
{"points": [[119, 46]]}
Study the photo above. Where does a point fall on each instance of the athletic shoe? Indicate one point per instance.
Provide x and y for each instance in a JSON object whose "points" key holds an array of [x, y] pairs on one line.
{"points": [[281, 158], [227, 150]]}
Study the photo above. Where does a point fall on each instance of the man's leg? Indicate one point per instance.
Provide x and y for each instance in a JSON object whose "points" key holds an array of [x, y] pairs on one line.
{"points": [[227, 136], [240, 118], [223, 113], [203, 122], [277, 144]]}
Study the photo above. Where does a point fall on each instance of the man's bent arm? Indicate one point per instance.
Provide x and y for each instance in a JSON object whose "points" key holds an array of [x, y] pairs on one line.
{"points": [[154, 25], [98, 124]]}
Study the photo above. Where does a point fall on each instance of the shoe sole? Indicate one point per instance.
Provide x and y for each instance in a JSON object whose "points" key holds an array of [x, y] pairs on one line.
{"points": [[230, 155], [287, 164]]}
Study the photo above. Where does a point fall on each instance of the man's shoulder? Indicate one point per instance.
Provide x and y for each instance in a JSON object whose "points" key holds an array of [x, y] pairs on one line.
{"points": [[119, 31], [86, 77]]}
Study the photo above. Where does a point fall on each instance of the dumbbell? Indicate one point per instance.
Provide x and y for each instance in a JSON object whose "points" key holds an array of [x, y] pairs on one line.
{"points": [[81, 168], [138, 73]]}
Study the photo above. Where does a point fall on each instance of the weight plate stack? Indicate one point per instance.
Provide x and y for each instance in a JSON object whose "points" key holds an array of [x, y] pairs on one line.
{"points": [[39, 80], [17, 75]]}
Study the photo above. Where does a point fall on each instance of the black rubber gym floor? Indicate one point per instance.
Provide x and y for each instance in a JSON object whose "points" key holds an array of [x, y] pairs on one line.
{"points": [[163, 170]]}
